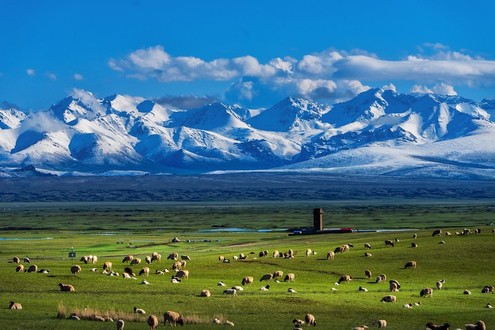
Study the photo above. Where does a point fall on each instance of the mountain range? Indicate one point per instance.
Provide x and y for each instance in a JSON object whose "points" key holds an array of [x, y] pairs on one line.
{"points": [[378, 132]]}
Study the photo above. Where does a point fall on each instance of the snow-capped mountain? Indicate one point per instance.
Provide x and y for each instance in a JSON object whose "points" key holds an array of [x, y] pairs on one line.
{"points": [[377, 132]]}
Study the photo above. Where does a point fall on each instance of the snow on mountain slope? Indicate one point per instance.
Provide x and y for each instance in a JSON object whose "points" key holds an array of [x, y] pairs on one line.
{"points": [[379, 132]]}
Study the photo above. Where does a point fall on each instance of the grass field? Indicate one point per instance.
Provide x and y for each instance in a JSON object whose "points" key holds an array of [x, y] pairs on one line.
{"points": [[47, 232]]}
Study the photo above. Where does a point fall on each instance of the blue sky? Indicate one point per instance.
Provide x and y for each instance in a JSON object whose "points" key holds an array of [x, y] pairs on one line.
{"points": [[249, 52]]}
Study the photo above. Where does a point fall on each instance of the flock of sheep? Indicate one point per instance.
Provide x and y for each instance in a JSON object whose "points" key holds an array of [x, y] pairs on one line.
{"points": [[178, 273]]}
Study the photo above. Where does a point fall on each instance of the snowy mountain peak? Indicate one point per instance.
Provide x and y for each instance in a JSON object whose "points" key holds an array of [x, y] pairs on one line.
{"points": [[10, 116]]}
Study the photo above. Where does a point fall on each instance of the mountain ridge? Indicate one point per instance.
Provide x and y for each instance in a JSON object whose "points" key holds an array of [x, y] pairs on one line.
{"points": [[377, 132]]}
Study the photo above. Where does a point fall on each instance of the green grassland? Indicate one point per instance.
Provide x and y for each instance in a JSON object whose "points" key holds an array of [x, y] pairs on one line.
{"points": [[47, 232]]}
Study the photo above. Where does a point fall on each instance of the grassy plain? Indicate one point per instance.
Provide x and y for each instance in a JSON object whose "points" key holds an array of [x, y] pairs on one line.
{"points": [[46, 232]]}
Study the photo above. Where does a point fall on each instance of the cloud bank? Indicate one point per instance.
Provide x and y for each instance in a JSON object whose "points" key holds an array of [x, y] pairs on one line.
{"points": [[329, 75]]}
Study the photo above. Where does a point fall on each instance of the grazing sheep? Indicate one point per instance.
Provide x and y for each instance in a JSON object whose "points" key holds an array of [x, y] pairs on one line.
{"points": [[394, 285], [14, 305], [230, 292], [185, 257], [74, 317], [238, 288], [43, 271], [360, 327], [229, 323], [477, 231], [367, 273], [439, 284], [436, 232], [221, 258], [266, 277], [175, 240], [367, 246], [175, 280], [139, 310], [466, 231], [415, 236], [493, 231], [32, 269], [278, 273], [389, 243], [330, 255], [247, 280], [76, 269], [410, 264], [16, 260], [152, 322], [290, 277], [309, 252], [155, 256], [173, 256], [381, 323], [27, 260], [128, 258], [205, 293], [480, 325], [345, 278], [488, 305], [128, 270], [367, 254], [414, 245], [182, 274], [362, 289], [242, 256], [426, 292], [291, 290], [135, 261], [342, 248], [298, 322], [145, 282], [177, 265], [147, 259], [467, 292], [66, 287], [120, 325], [265, 288], [144, 271], [310, 319], [276, 254], [19, 268], [431, 326], [107, 265], [487, 289], [389, 299], [263, 253]]}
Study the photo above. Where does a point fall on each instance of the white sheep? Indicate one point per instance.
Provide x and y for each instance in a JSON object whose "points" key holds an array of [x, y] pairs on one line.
{"points": [[439, 284], [330, 255], [66, 287], [436, 232], [266, 277], [362, 289], [278, 273], [173, 318], [389, 299], [76, 269], [128, 258], [229, 323], [182, 274], [480, 325], [345, 278], [310, 319], [152, 322], [139, 310], [426, 292], [120, 324], [381, 324], [144, 271], [16, 260], [205, 293], [394, 285], [367, 246], [32, 269], [367, 273], [135, 261], [290, 277], [19, 268], [410, 264], [230, 292], [389, 243], [107, 265], [14, 305]]}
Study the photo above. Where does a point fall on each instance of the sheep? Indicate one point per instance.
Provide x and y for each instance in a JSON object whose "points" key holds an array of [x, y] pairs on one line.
{"points": [[107, 265], [128, 270], [19, 268], [415, 236], [135, 261], [394, 285], [247, 280], [152, 322], [263, 253], [480, 325], [120, 324], [89, 259], [14, 305], [126, 275], [16, 260], [493, 231], [276, 254], [173, 256], [182, 274], [367, 246], [177, 265], [175, 280], [367, 254], [426, 292], [147, 259], [205, 293], [290, 254], [467, 292], [155, 256], [367, 273], [27, 260], [74, 317], [139, 310], [144, 271], [477, 231], [342, 248], [439, 284], [32, 269], [185, 257], [410, 264], [389, 299], [309, 252], [389, 243], [76, 269], [230, 292], [466, 231], [298, 322], [414, 245], [175, 240], [360, 327], [436, 232], [173, 318], [290, 277], [229, 323], [487, 289], [362, 289], [266, 277], [431, 326], [43, 271], [381, 323], [238, 288], [265, 288], [278, 273], [345, 278], [66, 287], [128, 258], [381, 278], [94, 269], [221, 258]]}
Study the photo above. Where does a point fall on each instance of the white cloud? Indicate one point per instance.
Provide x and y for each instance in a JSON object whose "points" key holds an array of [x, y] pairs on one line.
{"points": [[328, 75], [421, 89], [390, 87], [78, 76], [51, 76], [31, 72], [440, 88]]}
